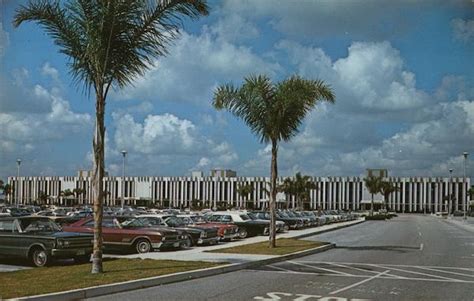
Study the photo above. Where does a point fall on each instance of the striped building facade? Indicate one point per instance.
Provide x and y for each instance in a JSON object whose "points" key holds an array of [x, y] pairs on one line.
{"points": [[414, 194]]}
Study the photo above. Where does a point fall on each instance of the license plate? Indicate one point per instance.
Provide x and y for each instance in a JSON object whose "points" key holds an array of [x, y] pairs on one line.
{"points": [[176, 244], [81, 252]]}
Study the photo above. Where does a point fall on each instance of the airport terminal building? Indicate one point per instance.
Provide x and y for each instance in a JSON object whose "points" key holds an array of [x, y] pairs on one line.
{"points": [[414, 194]]}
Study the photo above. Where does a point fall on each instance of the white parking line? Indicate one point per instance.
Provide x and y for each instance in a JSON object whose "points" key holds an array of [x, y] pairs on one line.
{"points": [[362, 270], [448, 272], [359, 283], [413, 272], [391, 265], [319, 268], [421, 247]]}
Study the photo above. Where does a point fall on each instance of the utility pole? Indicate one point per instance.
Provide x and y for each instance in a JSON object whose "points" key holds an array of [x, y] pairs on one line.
{"points": [[450, 191], [465, 154], [18, 162], [124, 153]]}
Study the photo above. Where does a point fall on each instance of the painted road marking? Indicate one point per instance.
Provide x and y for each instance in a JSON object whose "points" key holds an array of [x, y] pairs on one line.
{"points": [[413, 272], [271, 296], [359, 283], [448, 272], [358, 269], [319, 268], [392, 265], [421, 247]]}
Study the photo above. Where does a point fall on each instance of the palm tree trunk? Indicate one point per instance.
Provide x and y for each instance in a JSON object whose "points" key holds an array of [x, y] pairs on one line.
{"points": [[273, 191], [97, 185], [372, 205]]}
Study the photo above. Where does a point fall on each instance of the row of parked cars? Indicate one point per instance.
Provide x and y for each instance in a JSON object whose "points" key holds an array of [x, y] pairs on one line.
{"points": [[68, 233]]}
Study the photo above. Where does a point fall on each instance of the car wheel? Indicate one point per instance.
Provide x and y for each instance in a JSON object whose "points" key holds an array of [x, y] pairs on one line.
{"points": [[243, 233], [39, 257], [286, 228], [187, 243], [82, 259], [142, 246]]}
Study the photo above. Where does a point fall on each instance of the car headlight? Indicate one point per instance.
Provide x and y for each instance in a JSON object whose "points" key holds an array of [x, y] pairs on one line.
{"points": [[203, 234]]}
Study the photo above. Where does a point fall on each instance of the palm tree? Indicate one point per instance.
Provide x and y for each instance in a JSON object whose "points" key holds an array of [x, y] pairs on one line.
{"points": [[109, 43], [8, 190], [300, 187], [42, 197], [273, 112], [78, 192], [373, 186], [386, 189], [245, 190]]}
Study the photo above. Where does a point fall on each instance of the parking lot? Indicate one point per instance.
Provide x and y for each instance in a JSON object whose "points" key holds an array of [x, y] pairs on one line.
{"points": [[410, 257]]}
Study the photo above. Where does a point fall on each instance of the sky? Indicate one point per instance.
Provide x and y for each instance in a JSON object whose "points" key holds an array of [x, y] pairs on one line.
{"points": [[402, 73]]}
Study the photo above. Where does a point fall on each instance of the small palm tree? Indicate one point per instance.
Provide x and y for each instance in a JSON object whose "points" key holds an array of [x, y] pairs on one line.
{"points": [[274, 113], [109, 43], [386, 189], [300, 187], [43, 197], [245, 190], [373, 186]]}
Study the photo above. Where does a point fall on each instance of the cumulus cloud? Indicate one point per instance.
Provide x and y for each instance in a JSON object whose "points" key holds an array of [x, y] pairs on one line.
{"points": [[197, 65], [48, 70], [463, 29], [170, 143]]}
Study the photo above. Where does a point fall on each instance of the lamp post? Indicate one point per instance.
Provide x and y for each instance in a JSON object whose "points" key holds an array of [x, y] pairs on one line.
{"points": [[124, 153], [450, 191], [465, 154], [18, 162]]}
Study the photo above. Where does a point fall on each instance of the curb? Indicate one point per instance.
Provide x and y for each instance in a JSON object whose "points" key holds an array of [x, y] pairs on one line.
{"points": [[460, 224], [107, 289]]}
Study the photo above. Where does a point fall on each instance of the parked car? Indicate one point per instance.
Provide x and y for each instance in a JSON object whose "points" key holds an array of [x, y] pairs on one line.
{"points": [[247, 226], [195, 235], [262, 215], [225, 232], [40, 240], [129, 236]]}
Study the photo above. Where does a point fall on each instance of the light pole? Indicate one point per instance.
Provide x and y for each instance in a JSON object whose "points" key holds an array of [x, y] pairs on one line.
{"points": [[124, 153], [18, 162], [465, 154], [449, 191]]}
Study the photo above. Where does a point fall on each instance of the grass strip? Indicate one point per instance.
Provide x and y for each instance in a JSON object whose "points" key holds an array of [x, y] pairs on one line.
{"points": [[283, 246], [38, 281]]}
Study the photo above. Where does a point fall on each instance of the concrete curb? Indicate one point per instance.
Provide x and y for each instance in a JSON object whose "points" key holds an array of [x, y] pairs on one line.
{"points": [[328, 230], [460, 224], [177, 277]]}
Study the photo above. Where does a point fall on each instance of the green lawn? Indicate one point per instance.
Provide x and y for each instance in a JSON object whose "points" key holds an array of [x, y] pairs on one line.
{"points": [[284, 246], [62, 278]]}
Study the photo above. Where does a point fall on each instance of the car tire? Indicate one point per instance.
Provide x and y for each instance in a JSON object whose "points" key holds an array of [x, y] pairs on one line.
{"points": [[142, 246], [243, 233], [187, 243], [39, 257], [82, 259]]}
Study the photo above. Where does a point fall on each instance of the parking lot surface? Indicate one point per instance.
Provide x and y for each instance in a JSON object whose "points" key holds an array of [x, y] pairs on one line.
{"points": [[410, 257]]}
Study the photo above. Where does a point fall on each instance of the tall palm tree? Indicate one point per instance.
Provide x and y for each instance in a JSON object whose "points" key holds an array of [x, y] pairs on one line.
{"points": [[273, 112], [373, 186], [300, 187], [244, 190], [386, 189], [109, 43], [8, 190], [43, 197]]}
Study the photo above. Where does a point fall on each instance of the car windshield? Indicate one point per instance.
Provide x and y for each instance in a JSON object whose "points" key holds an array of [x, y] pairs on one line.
{"points": [[174, 222], [151, 221], [38, 225], [187, 220], [252, 216], [245, 217], [133, 223]]}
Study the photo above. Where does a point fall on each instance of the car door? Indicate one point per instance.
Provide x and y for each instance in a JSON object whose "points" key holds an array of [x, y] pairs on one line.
{"points": [[8, 237]]}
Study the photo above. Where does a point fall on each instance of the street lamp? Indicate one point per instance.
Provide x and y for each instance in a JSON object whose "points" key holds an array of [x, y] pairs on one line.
{"points": [[465, 154], [450, 191], [124, 153], [18, 162]]}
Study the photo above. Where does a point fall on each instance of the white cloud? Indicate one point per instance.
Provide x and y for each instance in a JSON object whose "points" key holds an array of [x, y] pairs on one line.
{"points": [[196, 65], [463, 29], [48, 70]]}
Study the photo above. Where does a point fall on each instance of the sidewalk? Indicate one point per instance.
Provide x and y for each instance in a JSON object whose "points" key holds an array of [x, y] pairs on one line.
{"points": [[199, 254], [459, 221]]}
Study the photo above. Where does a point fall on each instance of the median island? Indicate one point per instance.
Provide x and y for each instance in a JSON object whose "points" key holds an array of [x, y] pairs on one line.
{"points": [[284, 246], [52, 279]]}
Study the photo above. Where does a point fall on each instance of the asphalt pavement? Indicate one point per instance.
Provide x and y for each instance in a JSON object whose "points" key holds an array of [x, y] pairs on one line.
{"points": [[410, 257]]}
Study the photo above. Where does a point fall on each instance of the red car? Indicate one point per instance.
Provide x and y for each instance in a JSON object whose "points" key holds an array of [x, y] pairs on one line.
{"points": [[225, 231], [140, 239]]}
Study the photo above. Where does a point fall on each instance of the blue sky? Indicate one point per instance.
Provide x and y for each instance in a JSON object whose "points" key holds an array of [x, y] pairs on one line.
{"points": [[402, 73]]}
